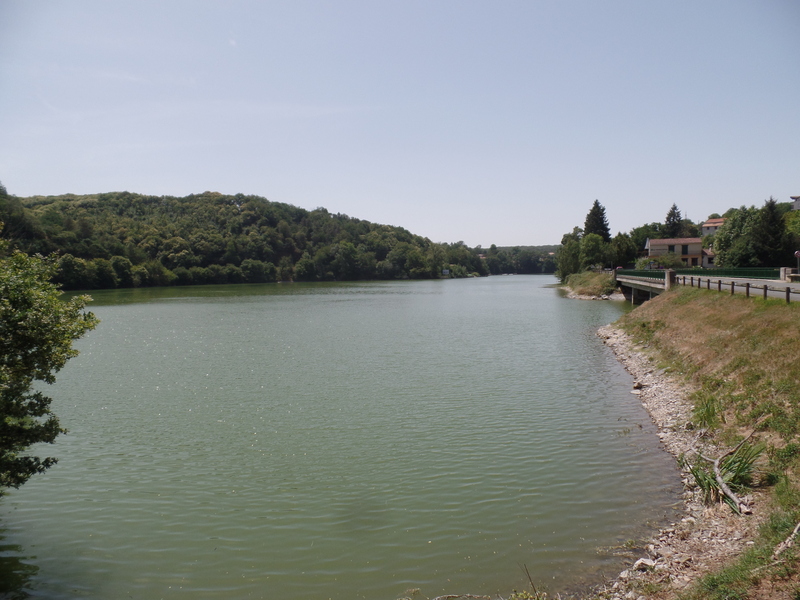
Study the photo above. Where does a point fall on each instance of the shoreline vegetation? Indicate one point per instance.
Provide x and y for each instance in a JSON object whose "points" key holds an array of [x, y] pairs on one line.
{"points": [[592, 285], [716, 373]]}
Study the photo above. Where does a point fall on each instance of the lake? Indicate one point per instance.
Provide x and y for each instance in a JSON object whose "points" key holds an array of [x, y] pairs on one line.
{"points": [[338, 440]]}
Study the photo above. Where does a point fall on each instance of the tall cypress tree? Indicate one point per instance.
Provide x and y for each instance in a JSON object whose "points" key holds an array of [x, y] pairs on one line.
{"points": [[673, 224], [596, 222]]}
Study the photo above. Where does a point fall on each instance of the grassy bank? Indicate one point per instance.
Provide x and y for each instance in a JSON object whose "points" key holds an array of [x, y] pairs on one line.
{"points": [[590, 283], [742, 358]]}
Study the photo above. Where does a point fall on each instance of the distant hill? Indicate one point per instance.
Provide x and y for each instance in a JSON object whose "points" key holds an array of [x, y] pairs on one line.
{"points": [[122, 239], [537, 249]]}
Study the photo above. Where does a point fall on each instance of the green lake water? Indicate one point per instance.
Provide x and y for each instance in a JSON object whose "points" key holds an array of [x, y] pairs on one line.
{"points": [[343, 441]]}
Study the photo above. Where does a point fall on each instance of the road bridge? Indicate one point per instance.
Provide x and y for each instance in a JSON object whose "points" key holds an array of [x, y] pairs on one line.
{"points": [[639, 286]]}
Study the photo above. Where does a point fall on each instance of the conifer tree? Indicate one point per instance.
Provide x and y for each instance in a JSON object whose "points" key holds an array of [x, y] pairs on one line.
{"points": [[673, 224], [596, 222]]}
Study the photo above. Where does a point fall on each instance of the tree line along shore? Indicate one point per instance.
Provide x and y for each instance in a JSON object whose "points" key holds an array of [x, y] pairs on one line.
{"points": [[122, 239]]}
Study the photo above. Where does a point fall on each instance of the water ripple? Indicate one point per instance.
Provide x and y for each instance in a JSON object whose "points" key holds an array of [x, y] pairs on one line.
{"points": [[344, 441]]}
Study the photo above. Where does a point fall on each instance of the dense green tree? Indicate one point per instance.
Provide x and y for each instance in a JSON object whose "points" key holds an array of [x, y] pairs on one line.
{"points": [[689, 229], [183, 276], [640, 235], [72, 272], [596, 222], [158, 274], [527, 261], [37, 329], [305, 269], [436, 258], [415, 264], [123, 269], [494, 261], [105, 276], [548, 263], [770, 239], [792, 225], [285, 269], [19, 223], [622, 250], [140, 277], [594, 251], [752, 237], [733, 241], [568, 257]]}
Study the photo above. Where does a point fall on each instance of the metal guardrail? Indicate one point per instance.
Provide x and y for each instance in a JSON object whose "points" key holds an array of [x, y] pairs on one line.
{"points": [[752, 273], [703, 278], [748, 273], [749, 289]]}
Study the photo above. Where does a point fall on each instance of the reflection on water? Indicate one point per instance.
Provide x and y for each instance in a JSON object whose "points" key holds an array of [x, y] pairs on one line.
{"points": [[340, 441], [16, 570]]}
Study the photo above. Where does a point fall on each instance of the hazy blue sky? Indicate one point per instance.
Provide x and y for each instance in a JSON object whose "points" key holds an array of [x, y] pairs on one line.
{"points": [[489, 122]]}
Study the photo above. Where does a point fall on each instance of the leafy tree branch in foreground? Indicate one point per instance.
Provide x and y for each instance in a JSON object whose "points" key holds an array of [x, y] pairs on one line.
{"points": [[37, 329]]}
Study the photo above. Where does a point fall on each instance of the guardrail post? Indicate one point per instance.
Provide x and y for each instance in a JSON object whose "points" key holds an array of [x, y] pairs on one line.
{"points": [[669, 279], [719, 285], [733, 284], [765, 291], [788, 294], [708, 283], [747, 290]]}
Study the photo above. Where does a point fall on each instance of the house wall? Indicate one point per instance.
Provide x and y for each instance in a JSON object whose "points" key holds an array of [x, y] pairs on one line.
{"points": [[692, 255]]}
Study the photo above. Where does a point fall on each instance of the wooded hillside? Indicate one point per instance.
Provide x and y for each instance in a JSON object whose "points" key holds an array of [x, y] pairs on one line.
{"points": [[122, 239]]}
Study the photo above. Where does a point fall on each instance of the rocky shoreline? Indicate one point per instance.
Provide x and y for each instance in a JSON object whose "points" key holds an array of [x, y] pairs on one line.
{"points": [[705, 537], [615, 296]]}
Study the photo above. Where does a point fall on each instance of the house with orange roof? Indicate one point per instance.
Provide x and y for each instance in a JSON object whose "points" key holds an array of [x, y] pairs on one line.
{"points": [[711, 226]]}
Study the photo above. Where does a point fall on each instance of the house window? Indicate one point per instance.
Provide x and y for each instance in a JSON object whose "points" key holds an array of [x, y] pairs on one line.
{"points": [[671, 249], [685, 249], [694, 262]]}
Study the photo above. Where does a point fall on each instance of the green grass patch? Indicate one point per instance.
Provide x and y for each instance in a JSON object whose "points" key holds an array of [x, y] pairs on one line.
{"points": [[590, 283]]}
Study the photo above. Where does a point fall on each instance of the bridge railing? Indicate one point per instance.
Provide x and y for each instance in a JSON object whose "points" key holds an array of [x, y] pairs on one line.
{"points": [[737, 287], [749, 273], [649, 273], [744, 273]]}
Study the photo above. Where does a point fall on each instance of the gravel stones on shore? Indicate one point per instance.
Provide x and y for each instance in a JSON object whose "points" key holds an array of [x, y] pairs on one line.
{"points": [[706, 537]]}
